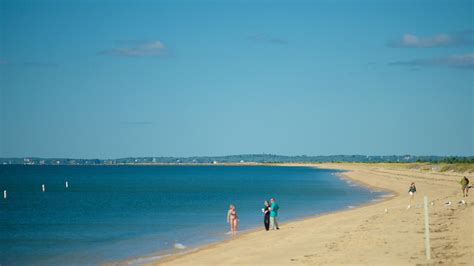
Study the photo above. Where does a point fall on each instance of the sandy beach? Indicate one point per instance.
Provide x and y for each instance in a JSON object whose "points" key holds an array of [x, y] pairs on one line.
{"points": [[380, 233]]}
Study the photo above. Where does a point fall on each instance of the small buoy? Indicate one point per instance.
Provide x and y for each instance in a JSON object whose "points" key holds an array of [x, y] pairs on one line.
{"points": [[386, 210], [67, 184], [4, 194], [43, 188]]}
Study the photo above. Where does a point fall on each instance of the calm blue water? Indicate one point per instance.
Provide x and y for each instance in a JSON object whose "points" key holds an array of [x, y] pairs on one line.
{"points": [[110, 213]]}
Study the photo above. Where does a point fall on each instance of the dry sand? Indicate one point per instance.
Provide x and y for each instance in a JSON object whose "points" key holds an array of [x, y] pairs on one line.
{"points": [[364, 235]]}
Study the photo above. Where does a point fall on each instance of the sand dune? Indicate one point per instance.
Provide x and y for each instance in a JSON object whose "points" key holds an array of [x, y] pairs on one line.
{"points": [[382, 233]]}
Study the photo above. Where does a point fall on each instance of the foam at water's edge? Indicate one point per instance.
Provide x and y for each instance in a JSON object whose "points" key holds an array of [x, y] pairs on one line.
{"points": [[150, 258], [179, 246], [142, 260]]}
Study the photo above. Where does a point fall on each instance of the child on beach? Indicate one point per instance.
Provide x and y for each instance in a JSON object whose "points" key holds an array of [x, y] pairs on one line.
{"points": [[465, 186], [232, 219], [411, 192]]}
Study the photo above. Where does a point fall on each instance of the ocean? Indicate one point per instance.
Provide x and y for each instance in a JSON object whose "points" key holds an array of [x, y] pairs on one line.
{"points": [[112, 213]]}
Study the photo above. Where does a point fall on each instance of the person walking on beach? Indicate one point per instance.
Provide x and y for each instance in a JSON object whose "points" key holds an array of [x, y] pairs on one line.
{"points": [[266, 214], [273, 214], [232, 219], [465, 186], [411, 192]]}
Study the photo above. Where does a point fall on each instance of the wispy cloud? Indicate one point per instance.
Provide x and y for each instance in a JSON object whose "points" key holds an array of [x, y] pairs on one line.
{"points": [[136, 123], [439, 40], [463, 61], [32, 64], [39, 64], [139, 49], [266, 39]]}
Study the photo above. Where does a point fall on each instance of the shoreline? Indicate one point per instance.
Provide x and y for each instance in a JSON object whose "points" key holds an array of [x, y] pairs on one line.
{"points": [[342, 174], [214, 253], [162, 256]]}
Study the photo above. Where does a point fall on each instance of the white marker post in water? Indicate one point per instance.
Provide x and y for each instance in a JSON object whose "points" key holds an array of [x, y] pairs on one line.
{"points": [[43, 188], [67, 184], [4, 194], [427, 230]]}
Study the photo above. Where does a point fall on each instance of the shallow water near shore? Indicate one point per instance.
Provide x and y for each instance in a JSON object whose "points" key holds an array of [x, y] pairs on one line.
{"points": [[111, 213]]}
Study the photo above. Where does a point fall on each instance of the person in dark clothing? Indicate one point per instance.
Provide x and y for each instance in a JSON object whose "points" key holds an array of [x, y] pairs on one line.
{"points": [[465, 186], [266, 214], [411, 192]]}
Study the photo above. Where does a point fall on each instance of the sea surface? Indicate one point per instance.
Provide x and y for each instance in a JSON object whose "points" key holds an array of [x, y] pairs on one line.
{"points": [[112, 213]]}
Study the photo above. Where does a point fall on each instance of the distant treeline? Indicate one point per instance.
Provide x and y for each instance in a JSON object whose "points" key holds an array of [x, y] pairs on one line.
{"points": [[452, 160], [243, 158]]}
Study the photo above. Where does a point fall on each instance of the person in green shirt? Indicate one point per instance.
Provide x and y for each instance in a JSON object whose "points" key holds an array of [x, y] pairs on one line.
{"points": [[465, 186], [274, 214]]}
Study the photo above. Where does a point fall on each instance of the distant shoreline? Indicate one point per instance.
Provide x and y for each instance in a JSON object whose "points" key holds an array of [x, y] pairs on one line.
{"points": [[242, 158], [419, 166]]}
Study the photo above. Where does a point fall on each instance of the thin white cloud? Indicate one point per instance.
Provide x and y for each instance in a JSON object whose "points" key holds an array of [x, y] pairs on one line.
{"points": [[39, 64], [137, 123], [463, 61], [439, 40], [143, 49], [267, 39], [32, 64]]}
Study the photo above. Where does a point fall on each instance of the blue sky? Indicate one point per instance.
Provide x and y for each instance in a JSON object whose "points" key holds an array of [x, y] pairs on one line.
{"points": [[112, 79]]}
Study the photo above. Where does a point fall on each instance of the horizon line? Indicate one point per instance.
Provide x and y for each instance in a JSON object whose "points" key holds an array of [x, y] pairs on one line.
{"points": [[231, 155]]}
